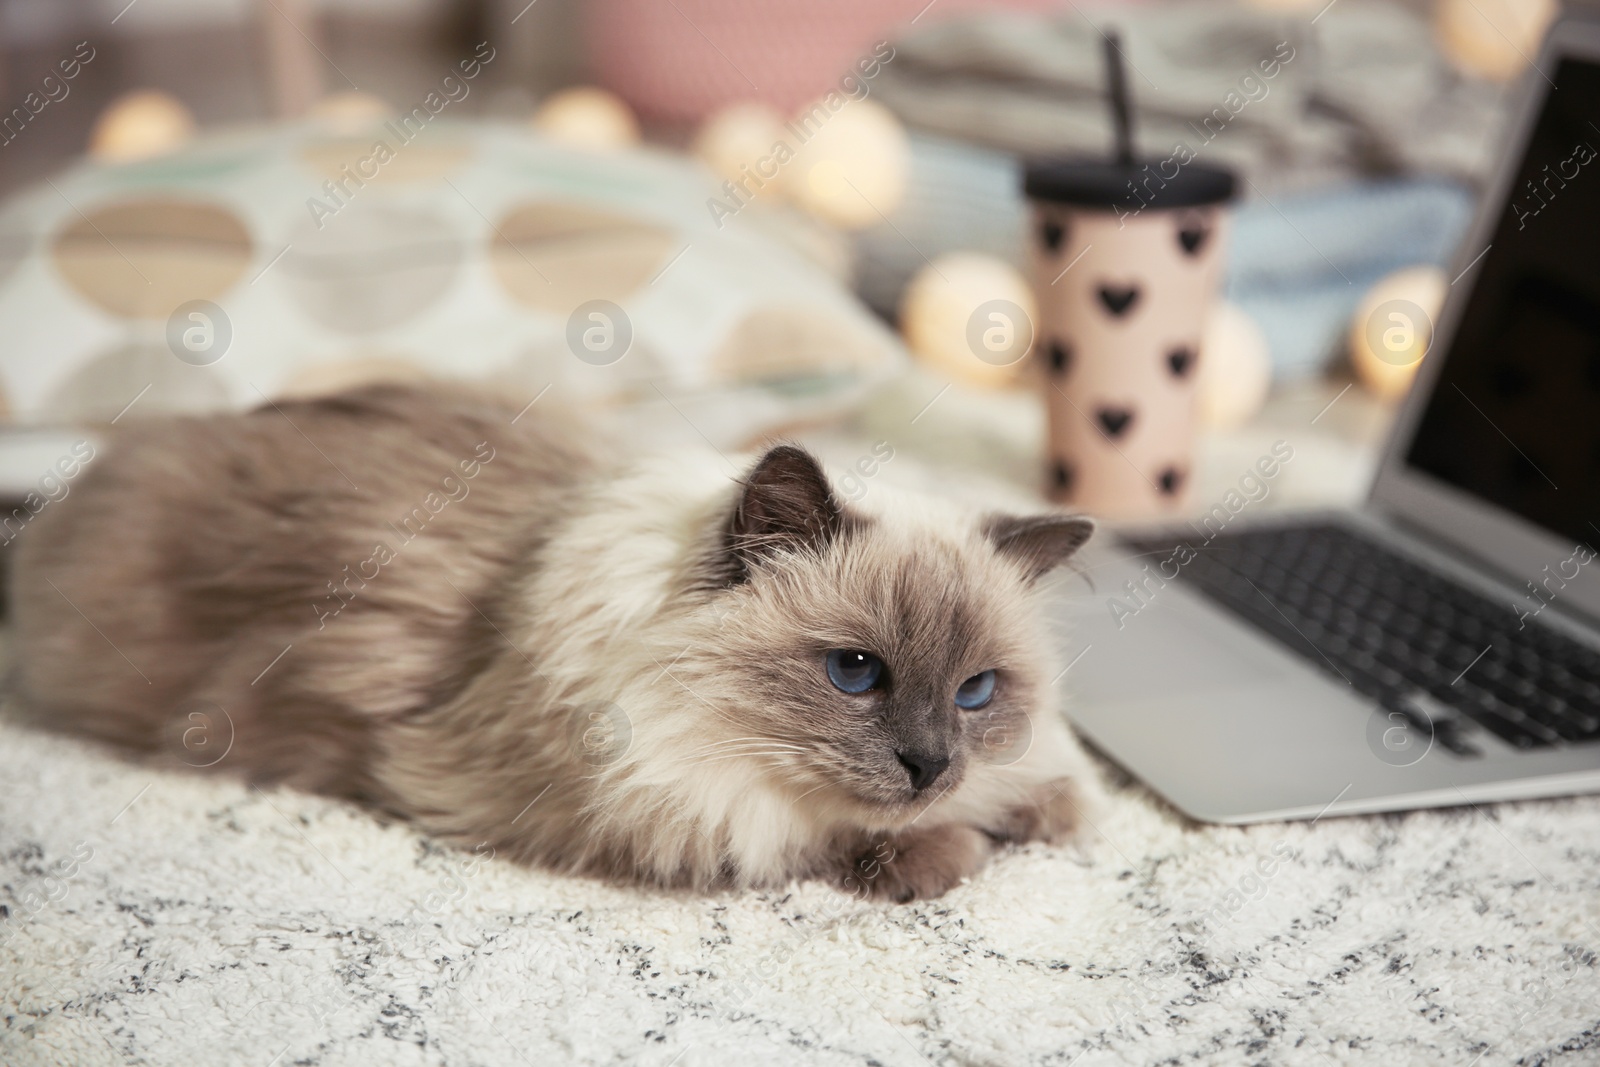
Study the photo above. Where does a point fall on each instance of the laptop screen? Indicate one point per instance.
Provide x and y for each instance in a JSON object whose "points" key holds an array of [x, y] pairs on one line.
{"points": [[1514, 416]]}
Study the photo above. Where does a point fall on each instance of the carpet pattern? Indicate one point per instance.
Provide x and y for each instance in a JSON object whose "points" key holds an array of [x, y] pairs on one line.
{"points": [[154, 918]]}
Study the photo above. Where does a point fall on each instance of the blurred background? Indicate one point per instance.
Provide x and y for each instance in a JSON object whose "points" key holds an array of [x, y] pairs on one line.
{"points": [[546, 159]]}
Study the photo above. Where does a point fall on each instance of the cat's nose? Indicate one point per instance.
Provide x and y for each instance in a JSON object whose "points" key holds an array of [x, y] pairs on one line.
{"points": [[924, 767]]}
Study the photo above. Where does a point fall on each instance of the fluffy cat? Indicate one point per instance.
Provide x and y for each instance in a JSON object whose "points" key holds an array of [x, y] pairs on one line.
{"points": [[670, 671]]}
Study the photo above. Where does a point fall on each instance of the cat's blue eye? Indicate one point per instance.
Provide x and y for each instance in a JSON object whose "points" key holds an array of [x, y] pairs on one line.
{"points": [[854, 671], [975, 691]]}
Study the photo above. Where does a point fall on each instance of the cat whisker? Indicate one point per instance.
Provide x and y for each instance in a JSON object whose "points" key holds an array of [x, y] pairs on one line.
{"points": [[770, 758], [740, 750], [735, 740], [733, 755], [808, 792], [748, 740], [718, 712], [748, 752]]}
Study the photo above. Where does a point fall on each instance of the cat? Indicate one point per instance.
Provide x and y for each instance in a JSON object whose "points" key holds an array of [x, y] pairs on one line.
{"points": [[676, 670]]}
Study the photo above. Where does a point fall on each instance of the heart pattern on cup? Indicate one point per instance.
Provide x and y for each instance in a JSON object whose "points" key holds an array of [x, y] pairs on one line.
{"points": [[1114, 421], [1180, 361], [1060, 355], [1062, 475], [1051, 233], [1119, 299], [1192, 237], [1170, 480]]}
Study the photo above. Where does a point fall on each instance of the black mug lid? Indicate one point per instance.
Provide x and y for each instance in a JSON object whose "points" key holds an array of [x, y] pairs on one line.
{"points": [[1102, 184]]}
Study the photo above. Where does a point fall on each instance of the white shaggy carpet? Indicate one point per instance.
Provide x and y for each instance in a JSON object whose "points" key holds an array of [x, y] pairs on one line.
{"points": [[154, 918]]}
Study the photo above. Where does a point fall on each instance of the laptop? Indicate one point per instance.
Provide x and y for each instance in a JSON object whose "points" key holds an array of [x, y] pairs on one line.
{"points": [[1440, 645]]}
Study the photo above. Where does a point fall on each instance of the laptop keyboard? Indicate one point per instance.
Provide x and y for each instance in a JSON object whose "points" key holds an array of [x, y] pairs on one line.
{"points": [[1401, 634]]}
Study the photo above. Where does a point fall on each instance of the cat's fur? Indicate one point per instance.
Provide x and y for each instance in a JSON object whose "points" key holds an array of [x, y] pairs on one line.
{"points": [[503, 634]]}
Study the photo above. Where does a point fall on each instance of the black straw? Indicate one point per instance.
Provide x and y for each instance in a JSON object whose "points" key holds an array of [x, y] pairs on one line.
{"points": [[1117, 88]]}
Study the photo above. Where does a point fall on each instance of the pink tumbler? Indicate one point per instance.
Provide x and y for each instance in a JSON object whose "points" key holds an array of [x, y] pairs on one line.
{"points": [[1124, 295], [1126, 258]]}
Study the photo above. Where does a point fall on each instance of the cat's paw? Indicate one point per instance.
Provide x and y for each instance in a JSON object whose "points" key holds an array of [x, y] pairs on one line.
{"points": [[917, 865], [1051, 816]]}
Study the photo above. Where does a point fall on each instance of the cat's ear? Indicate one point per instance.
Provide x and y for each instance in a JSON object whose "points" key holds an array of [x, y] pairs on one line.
{"points": [[1038, 543], [784, 505]]}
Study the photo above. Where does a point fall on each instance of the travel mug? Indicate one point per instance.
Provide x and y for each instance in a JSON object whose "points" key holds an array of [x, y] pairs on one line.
{"points": [[1126, 260]]}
